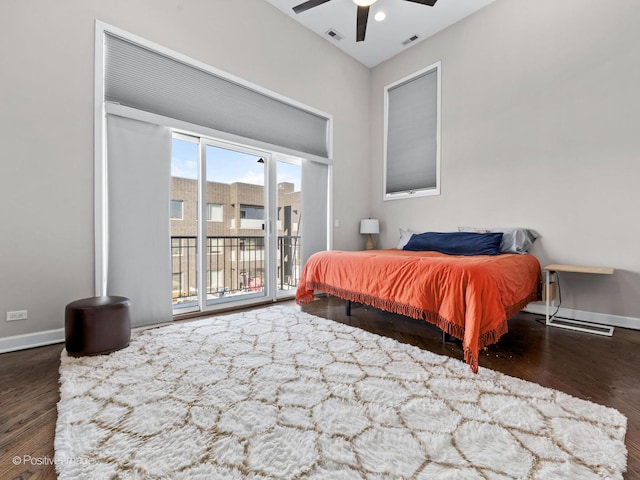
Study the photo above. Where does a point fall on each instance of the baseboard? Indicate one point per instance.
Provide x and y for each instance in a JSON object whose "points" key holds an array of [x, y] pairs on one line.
{"points": [[592, 317], [48, 337], [31, 340]]}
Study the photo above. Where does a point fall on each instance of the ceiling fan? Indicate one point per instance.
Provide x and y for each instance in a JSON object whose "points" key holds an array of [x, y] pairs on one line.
{"points": [[363, 12]]}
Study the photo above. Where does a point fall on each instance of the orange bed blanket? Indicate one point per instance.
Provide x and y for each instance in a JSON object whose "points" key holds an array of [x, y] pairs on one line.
{"points": [[469, 297]]}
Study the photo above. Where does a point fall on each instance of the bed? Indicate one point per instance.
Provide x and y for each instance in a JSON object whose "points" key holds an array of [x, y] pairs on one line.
{"points": [[470, 297]]}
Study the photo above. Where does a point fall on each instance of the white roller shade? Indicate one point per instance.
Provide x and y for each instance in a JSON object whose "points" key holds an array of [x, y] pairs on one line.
{"points": [[148, 80], [412, 134], [315, 211], [138, 238]]}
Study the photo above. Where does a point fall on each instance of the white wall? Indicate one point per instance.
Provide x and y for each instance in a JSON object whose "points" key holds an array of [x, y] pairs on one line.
{"points": [[46, 125], [540, 109]]}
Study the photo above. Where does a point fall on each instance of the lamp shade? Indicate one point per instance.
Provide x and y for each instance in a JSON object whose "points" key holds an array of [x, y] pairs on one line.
{"points": [[369, 225]]}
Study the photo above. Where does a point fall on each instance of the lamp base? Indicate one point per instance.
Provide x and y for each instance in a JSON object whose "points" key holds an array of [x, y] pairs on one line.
{"points": [[370, 244]]}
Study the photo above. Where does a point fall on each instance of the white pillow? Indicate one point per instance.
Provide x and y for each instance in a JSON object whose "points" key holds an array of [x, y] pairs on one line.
{"points": [[405, 236], [514, 239]]}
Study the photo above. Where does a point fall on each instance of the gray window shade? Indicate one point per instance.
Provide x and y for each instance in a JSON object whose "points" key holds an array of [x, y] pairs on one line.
{"points": [[412, 134], [141, 78], [315, 211], [139, 248]]}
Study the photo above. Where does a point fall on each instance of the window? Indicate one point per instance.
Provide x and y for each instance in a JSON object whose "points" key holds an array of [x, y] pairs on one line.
{"points": [[234, 130], [176, 282], [214, 212], [176, 248], [251, 212], [412, 135], [176, 210]]}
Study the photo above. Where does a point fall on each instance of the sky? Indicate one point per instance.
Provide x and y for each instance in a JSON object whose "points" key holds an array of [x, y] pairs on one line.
{"points": [[226, 166]]}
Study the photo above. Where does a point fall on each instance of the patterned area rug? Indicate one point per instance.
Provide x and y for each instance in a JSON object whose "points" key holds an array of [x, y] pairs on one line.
{"points": [[278, 393]]}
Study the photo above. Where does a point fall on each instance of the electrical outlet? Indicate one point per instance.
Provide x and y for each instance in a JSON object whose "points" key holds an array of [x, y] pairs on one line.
{"points": [[16, 315]]}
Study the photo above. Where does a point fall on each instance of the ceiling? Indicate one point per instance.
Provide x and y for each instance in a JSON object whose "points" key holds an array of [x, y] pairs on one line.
{"points": [[404, 19]]}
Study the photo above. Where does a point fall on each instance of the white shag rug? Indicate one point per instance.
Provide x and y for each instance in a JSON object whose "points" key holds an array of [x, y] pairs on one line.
{"points": [[279, 393]]}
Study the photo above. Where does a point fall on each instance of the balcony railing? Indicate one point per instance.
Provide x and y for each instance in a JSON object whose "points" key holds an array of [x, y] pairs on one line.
{"points": [[235, 266]]}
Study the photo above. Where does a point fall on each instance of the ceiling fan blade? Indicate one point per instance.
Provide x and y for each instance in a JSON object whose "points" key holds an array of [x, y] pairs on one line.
{"points": [[431, 3], [361, 23], [307, 5]]}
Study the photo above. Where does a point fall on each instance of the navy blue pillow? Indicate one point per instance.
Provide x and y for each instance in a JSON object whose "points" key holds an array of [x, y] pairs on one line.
{"points": [[456, 243]]}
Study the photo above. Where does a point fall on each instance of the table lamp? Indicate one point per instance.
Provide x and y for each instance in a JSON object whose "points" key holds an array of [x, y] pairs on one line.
{"points": [[370, 227]]}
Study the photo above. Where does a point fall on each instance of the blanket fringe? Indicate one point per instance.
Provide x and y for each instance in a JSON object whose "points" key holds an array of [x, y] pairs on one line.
{"points": [[534, 296], [471, 360], [489, 338], [305, 299], [386, 305]]}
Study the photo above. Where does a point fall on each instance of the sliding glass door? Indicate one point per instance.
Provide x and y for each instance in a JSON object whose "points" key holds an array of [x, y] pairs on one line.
{"points": [[183, 213], [289, 225], [235, 224]]}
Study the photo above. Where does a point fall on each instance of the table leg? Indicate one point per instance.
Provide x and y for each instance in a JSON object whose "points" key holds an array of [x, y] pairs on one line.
{"points": [[547, 288]]}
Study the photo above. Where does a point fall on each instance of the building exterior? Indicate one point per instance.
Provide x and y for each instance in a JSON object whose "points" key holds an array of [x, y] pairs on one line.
{"points": [[235, 243]]}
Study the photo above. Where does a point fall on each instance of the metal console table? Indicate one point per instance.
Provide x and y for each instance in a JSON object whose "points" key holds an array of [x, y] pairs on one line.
{"points": [[570, 324]]}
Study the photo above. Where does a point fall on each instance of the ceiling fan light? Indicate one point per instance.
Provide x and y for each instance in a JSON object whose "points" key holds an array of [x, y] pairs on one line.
{"points": [[364, 3]]}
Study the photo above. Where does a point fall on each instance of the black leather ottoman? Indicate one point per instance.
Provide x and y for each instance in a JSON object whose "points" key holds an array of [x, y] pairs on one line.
{"points": [[97, 325]]}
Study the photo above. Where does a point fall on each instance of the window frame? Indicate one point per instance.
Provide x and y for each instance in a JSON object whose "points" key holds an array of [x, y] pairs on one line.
{"points": [[211, 208], [427, 190], [171, 205], [252, 209], [102, 107]]}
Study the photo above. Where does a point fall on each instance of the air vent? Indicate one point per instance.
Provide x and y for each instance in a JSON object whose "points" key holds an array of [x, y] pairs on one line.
{"points": [[333, 34], [409, 40]]}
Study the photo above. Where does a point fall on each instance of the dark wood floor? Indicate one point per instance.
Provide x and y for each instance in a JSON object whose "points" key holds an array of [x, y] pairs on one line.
{"points": [[605, 370]]}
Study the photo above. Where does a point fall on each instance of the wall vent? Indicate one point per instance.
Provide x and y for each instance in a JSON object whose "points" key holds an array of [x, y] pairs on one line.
{"points": [[333, 34], [410, 40]]}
